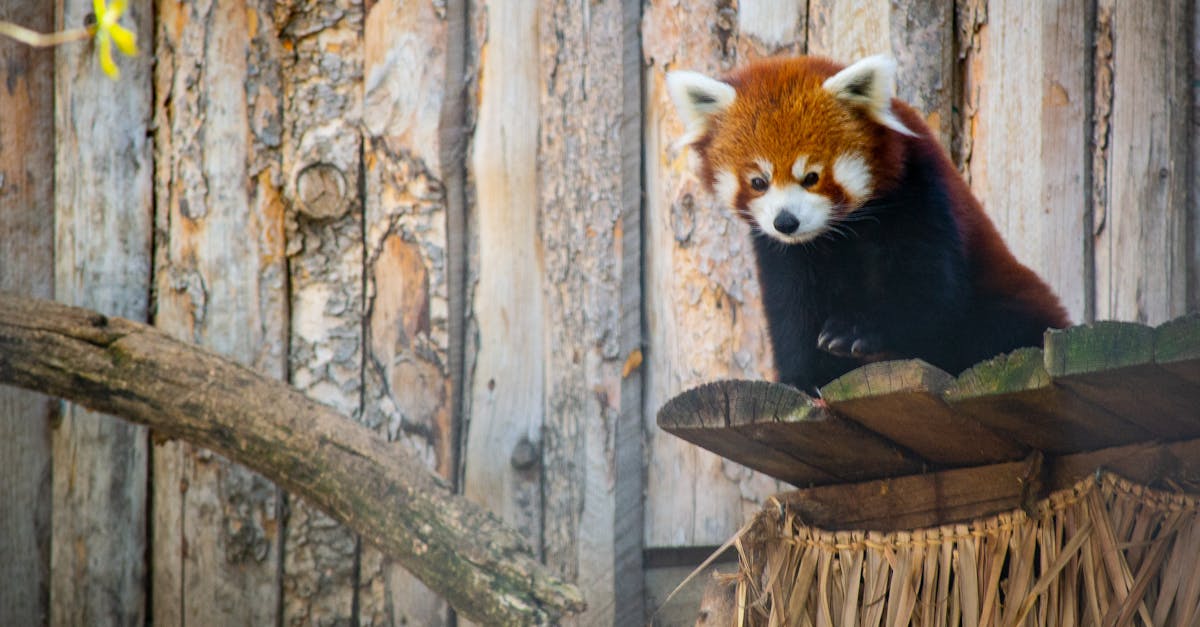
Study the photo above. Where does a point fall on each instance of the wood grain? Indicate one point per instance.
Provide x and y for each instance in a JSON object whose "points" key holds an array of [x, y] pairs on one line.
{"points": [[220, 278], [460, 550], [321, 161], [1141, 161], [1027, 99], [782, 432], [963, 494], [27, 268], [902, 401], [588, 195], [917, 33], [103, 216], [506, 381], [410, 93], [1111, 365], [1014, 395], [703, 310]]}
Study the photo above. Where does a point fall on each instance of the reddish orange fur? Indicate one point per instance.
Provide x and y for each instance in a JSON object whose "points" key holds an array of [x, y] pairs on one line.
{"points": [[782, 99]]}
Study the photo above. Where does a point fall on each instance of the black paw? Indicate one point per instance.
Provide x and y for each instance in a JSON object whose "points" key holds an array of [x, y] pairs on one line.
{"points": [[844, 338]]}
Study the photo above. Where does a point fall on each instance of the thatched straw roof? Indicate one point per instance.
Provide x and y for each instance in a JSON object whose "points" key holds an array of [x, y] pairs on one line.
{"points": [[1105, 552]]}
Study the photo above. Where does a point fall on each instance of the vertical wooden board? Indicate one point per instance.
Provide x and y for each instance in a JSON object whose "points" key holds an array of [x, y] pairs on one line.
{"points": [[103, 218], [1141, 160], [702, 304], [504, 381], [586, 182], [917, 33], [220, 279], [321, 164], [26, 268], [1028, 98], [408, 382], [1194, 191]]}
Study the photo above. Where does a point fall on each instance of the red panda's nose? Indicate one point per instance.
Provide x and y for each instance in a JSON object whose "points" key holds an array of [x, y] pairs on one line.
{"points": [[786, 223]]}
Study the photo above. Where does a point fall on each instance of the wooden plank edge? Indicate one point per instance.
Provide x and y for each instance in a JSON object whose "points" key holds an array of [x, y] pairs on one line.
{"points": [[918, 501]]}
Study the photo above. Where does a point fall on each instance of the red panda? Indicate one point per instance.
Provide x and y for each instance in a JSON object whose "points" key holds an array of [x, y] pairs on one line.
{"points": [[869, 244]]}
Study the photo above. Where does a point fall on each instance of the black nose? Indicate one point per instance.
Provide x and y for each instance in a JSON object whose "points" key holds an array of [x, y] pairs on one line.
{"points": [[786, 223]]}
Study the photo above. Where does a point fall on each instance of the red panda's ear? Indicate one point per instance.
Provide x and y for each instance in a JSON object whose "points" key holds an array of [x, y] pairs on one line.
{"points": [[870, 85], [698, 98]]}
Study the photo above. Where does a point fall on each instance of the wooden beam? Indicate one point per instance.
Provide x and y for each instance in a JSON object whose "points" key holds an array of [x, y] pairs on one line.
{"points": [[957, 495], [103, 220], [412, 108], [1111, 365], [781, 431], [1013, 394], [1026, 104], [461, 551], [902, 401], [588, 164], [27, 239], [1140, 180], [704, 317], [321, 161], [220, 280], [506, 384]]}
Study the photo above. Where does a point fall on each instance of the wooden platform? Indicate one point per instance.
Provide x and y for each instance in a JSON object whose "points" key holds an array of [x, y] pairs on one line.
{"points": [[1113, 394]]}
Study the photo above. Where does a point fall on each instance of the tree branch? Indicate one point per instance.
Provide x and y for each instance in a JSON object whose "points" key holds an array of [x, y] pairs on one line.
{"points": [[462, 552]]}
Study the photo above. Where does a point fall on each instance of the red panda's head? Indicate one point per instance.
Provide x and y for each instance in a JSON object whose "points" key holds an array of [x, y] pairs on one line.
{"points": [[793, 144]]}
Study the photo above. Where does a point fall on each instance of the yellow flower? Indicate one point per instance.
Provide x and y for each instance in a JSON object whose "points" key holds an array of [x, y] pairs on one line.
{"points": [[108, 32]]}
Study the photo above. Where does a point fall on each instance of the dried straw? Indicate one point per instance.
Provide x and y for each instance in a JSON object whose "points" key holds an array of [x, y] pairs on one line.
{"points": [[1105, 552]]}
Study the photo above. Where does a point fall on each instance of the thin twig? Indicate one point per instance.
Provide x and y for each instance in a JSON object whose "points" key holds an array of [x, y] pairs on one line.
{"points": [[42, 40]]}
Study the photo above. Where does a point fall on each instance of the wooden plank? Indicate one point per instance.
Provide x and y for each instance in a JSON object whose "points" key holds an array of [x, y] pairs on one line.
{"points": [[703, 416], [1140, 160], [782, 432], [1027, 102], [702, 304], [911, 502], [918, 33], [27, 268], [1013, 394], [961, 494], [902, 401], [1177, 347], [589, 193], [321, 161], [411, 94], [505, 360], [103, 227], [1111, 365], [220, 278]]}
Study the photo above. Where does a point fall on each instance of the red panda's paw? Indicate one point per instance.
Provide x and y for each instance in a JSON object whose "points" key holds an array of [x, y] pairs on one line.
{"points": [[846, 338]]}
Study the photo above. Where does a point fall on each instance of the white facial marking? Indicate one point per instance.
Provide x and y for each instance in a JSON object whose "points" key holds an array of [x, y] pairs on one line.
{"points": [[726, 188], [765, 168], [800, 168], [810, 210], [851, 172]]}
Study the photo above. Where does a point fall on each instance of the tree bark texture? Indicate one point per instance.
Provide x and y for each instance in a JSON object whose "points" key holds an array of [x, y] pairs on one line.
{"points": [[220, 282], [459, 550]]}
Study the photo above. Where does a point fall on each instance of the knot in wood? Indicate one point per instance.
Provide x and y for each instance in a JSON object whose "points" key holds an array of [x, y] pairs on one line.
{"points": [[321, 191], [524, 455]]}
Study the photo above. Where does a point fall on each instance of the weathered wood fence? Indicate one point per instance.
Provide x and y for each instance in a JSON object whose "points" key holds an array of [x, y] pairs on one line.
{"points": [[466, 225]]}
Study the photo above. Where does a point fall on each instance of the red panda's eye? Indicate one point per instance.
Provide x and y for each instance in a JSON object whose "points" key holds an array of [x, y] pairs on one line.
{"points": [[758, 184], [810, 179]]}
